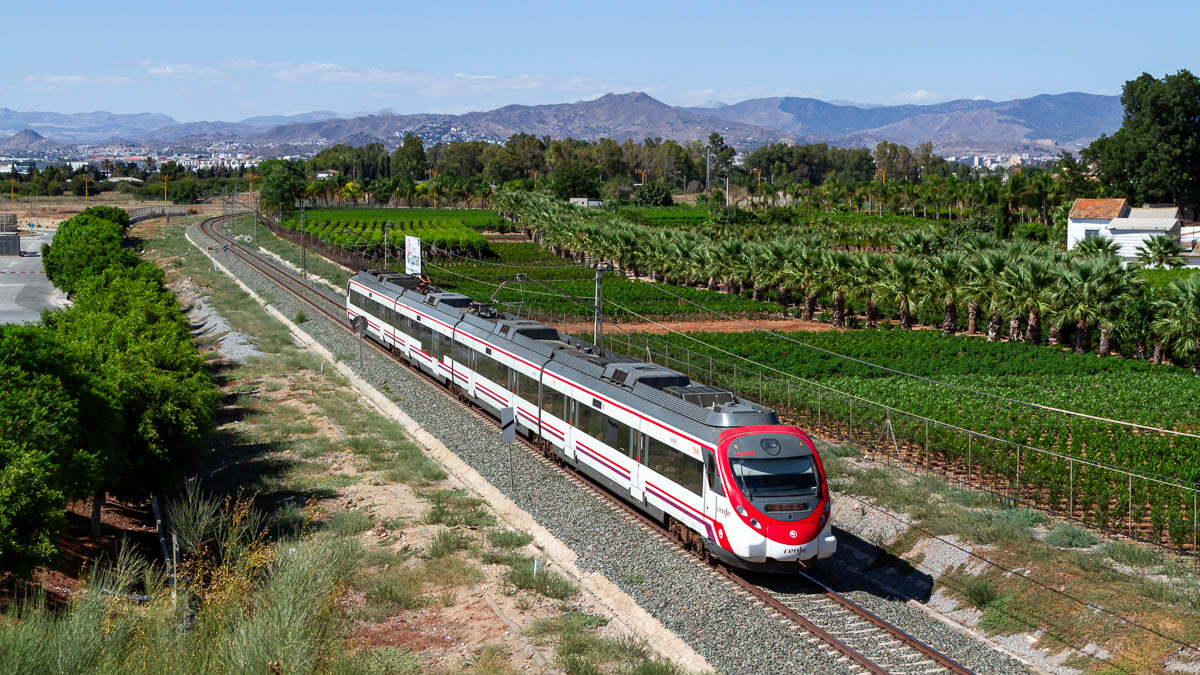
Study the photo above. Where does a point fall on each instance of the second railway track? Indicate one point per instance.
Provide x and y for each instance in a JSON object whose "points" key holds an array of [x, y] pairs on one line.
{"points": [[851, 633]]}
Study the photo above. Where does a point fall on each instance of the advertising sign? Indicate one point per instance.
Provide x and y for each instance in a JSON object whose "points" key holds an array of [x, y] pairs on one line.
{"points": [[412, 255]]}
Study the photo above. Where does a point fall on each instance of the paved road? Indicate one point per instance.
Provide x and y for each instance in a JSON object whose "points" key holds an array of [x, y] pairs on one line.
{"points": [[24, 289]]}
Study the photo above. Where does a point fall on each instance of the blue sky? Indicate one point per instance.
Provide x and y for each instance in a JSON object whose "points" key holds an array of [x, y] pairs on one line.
{"points": [[227, 60]]}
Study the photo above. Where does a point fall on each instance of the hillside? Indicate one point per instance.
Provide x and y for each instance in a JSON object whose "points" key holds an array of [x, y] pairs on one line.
{"points": [[1047, 122]]}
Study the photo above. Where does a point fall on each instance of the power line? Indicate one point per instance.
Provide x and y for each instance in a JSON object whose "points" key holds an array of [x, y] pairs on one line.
{"points": [[977, 392]]}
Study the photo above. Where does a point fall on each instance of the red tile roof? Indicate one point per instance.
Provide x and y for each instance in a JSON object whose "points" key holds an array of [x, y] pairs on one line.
{"points": [[1099, 208]]}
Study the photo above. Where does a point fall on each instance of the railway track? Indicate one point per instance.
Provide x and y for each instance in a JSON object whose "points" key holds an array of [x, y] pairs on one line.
{"points": [[852, 634]]}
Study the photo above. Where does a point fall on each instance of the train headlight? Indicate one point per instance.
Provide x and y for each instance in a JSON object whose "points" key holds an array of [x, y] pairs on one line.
{"points": [[755, 524], [741, 510]]}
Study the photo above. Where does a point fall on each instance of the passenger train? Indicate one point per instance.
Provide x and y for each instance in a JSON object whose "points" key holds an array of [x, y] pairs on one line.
{"points": [[719, 471]]}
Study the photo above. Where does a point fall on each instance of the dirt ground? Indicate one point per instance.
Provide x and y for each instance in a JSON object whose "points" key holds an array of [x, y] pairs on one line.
{"points": [[49, 211], [721, 326]]}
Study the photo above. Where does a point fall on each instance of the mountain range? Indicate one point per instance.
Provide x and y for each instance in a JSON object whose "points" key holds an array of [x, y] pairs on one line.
{"points": [[1042, 124]]}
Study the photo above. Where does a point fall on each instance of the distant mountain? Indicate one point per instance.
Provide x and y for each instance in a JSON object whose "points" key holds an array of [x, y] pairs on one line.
{"points": [[27, 141], [86, 127], [1046, 122], [616, 116], [268, 121]]}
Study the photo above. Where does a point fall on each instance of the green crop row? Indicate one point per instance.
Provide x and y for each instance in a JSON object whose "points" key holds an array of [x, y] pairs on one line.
{"points": [[626, 298], [364, 230], [997, 438]]}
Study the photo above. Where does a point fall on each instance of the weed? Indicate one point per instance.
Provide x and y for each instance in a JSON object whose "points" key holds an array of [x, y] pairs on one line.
{"points": [[1090, 562], [397, 587], [980, 593], [453, 507], [300, 317], [633, 579], [546, 582], [396, 523], [1132, 554], [1000, 616], [347, 523], [445, 543], [525, 603], [451, 571], [998, 526], [1066, 535], [508, 539]]}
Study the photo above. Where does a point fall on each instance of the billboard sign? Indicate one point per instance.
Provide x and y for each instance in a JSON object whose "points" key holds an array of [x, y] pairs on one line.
{"points": [[412, 255]]}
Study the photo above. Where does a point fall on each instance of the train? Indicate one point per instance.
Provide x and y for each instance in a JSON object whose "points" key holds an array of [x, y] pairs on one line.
{"points": [[718, 471]]}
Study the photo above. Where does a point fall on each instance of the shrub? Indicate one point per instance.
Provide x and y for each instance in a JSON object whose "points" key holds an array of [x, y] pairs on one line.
{"points": [[980, 593], [509, 539], [1065, 535]]}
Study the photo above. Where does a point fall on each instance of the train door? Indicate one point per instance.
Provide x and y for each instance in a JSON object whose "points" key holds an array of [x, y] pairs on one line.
{"points": [[712, 485], [636, 474]]}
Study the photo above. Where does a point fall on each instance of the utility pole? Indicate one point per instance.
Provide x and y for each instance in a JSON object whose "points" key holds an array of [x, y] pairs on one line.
{"points": [[164, 180], [303, 248], [85, 191], [387, 228], [598, 311], [708, 170]]}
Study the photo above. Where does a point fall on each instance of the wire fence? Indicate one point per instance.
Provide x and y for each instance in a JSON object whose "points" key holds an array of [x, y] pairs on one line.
{"points": [[1157, 509], [1152, 508], [148, 212]]}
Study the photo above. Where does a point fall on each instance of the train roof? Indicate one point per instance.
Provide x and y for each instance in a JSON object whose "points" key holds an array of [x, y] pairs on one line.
{"points": [[655, 384]]}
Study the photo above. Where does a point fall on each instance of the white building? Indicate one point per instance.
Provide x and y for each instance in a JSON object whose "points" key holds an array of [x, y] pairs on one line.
{"points": [[1114, 219]]}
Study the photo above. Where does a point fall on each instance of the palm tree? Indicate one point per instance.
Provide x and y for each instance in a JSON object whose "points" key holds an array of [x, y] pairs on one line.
{"points": [[901, 282], [1179, 320], [983, 287], [1160, 252], [1025, 288], [1086, 294], [865, 282], [837, 268], [1097, 246], [803, 273], [945, 278]]}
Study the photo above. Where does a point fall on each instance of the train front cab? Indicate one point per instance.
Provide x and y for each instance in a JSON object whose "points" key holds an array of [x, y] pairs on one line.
{"points": [[772, 499]]}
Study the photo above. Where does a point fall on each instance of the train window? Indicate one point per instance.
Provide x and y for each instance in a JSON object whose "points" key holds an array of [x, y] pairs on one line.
{"points": [[424, 335], [674, 465], [438, 345], [554, 403], [527, 387], [491, 369], [590, 421], [710, 470], [462, 353], [617, 434]]}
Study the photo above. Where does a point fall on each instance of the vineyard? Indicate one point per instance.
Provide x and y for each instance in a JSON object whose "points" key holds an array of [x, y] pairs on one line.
{"points": [[480, 278], [1115, 477], [442, 230]]}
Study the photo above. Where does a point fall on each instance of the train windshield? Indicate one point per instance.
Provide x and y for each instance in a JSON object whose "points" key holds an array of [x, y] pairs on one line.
{"points": [[776, 477]]}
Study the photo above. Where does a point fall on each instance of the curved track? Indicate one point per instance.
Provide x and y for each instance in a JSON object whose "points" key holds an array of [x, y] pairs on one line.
{"points": [[850, 631]]}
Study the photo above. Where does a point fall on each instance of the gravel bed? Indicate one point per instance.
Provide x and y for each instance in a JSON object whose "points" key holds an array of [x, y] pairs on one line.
{"points": [[733, 634]]}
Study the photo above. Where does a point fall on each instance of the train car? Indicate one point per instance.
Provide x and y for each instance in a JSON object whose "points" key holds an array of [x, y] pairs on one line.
{"points": [[719, 471]]}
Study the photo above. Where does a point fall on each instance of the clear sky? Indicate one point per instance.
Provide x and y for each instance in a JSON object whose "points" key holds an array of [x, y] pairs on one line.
{"points": [[208, 60]]}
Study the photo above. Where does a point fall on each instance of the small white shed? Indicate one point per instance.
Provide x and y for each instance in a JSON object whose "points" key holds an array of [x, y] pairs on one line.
{"points": [[1114, 219]]}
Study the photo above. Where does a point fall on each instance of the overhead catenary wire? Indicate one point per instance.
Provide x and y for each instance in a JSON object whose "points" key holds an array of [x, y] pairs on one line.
{"points": [[1174, 480], [894, 371]]}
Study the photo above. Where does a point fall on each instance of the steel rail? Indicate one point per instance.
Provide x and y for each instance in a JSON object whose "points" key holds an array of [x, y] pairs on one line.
{"points": [[284, 279]]}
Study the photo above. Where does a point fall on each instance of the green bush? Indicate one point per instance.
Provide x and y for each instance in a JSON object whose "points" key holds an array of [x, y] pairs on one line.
{"points": [[1065, 535]]}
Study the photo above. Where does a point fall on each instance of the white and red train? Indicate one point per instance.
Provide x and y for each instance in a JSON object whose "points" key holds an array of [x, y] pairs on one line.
{"points": [[719, 471]]}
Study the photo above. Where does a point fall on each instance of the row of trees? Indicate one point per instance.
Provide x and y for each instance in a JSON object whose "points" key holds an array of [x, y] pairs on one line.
{"points": [[108, 396], [1021, 289]]}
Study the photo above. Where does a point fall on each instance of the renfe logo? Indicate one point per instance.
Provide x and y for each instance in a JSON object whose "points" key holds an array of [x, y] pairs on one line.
{"points": [[743, 453]]}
